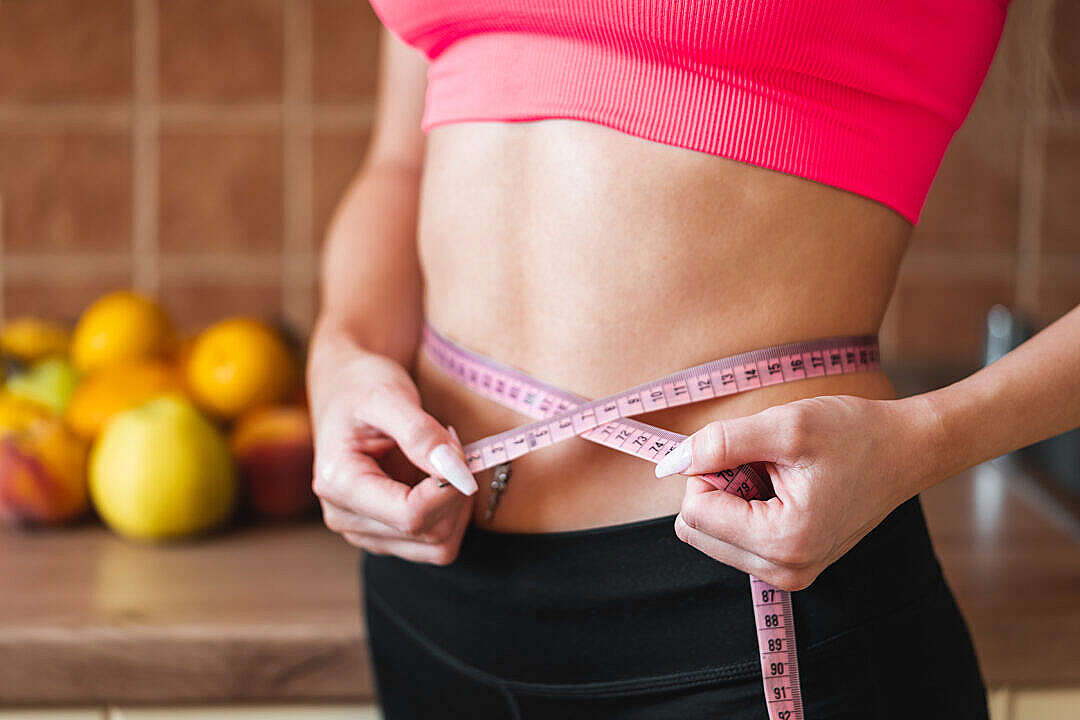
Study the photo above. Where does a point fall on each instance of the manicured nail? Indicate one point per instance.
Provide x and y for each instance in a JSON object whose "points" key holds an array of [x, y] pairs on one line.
{"points": [[449, 464], [453, 434], [675, 461]]}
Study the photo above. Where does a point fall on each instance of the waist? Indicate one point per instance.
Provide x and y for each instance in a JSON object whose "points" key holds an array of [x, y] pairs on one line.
{"points": [[577, 484], [594, 261]]}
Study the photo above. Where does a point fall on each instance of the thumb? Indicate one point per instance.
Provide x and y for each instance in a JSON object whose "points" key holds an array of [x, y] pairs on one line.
{"points": [[725, 516], [424, 441], [724, 444]]}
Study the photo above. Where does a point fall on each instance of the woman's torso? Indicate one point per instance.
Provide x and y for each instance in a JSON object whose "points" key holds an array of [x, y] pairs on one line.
{"points": [[595, 260]]}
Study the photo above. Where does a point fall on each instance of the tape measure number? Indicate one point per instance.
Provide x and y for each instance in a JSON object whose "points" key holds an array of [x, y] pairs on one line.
{"points": [[560, 415]]}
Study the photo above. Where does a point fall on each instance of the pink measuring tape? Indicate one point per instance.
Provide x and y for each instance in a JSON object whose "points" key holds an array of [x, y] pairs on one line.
{"points": [[561, 414]]}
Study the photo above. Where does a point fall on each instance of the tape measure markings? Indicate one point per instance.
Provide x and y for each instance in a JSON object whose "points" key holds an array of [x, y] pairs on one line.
{"points": [[518, 391], [561, 415]]}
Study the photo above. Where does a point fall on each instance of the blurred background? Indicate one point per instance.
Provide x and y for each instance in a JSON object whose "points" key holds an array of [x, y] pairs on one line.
{"points": [[194, 150]]}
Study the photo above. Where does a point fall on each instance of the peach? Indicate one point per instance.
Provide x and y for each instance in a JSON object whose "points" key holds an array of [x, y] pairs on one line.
{"points": [[42, 472], [275, 453]]}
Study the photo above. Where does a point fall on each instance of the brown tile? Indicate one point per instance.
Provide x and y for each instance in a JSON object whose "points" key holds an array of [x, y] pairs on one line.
{"points": [[221, 50], [65, 50], [221, 190], [62, 297], [346, 50], [1059, 288], [1066, 51], [974, 202], [941, 318], [196, 303], [1061, 191], [65, 189], [337, 157]]}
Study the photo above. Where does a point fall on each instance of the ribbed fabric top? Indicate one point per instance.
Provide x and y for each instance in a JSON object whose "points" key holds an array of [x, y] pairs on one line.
{"points": [[862, 95]]}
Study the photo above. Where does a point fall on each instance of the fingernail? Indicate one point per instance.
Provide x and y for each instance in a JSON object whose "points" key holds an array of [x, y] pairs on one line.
{"points": [[675, 461], [449, 465], [453, 433]]}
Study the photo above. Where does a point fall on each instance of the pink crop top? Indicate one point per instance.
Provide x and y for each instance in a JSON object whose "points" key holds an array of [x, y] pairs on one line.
{"points": [[862, 95]]}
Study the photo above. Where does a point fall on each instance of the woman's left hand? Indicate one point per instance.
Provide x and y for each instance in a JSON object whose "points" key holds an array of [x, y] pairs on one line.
{"points": [[839, 464]]}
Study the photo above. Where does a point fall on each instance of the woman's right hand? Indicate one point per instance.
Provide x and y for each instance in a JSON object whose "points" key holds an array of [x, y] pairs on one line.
{"points": [[380, 462]]}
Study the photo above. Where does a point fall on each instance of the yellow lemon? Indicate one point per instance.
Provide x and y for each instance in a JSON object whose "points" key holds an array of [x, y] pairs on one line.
{"points": [[119, 327], [30, 339], [117, 388], [162, 471], [237, 365]]}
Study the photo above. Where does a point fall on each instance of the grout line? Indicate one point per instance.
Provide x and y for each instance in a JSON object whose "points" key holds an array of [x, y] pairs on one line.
{"points": [[234, 266], [111, 116], [1032, 179], [117, 115], [244, 115], [352, 116], [230, 265], [297, 269], [146, 125], [65, 264]]}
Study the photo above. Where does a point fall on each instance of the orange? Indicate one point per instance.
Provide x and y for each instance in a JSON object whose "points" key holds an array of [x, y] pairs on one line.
{"points": [[239, 364], [30, 339], [117, 388], [119, 327]]}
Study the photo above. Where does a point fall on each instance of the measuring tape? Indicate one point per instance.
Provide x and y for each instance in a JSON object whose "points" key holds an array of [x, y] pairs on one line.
{"points": [[561, 414]]}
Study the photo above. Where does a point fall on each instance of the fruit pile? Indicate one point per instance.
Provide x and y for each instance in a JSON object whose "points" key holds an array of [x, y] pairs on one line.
{"points": [[165, 436]]}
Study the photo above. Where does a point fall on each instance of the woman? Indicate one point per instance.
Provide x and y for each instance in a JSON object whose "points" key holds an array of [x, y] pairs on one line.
{"points": [[607, 193]]}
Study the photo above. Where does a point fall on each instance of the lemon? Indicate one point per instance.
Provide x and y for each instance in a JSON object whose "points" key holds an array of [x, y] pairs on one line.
{"points": [[162, 471], [237, 365], [118, 327], [117, 388], [30, 339]]}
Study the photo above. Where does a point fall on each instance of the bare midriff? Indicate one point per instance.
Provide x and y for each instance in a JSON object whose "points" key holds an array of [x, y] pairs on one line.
{"points": [[594, 261]]}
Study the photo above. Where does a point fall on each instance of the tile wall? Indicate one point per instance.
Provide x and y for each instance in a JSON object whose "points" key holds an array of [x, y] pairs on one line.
{"points": [[196, 148]]}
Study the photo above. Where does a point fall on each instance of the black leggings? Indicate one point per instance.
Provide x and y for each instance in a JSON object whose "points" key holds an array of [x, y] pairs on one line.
{"points": [[628, 622]]}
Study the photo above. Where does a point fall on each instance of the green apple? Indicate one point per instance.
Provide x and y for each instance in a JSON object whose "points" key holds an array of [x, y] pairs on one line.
{"points": [[162, 471]]}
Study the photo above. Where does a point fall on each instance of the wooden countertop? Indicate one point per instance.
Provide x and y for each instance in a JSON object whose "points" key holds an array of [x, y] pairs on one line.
{"points": [[259, 613], [271, 613]]}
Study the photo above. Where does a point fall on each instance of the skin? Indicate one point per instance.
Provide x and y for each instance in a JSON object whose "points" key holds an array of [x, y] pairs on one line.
{"points": [[595, 260]]}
